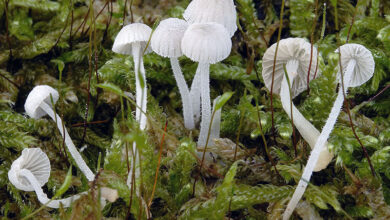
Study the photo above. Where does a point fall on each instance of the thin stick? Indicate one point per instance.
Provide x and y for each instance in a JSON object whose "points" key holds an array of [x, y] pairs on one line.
{"points": [[90, 72], [91, 123], [6, 28], [71, 26], [261, 127], [158, 164], [10, 81], [312, 44], [273, 69], [239, 131], [131, 12], [124, 14], [379, 93]]}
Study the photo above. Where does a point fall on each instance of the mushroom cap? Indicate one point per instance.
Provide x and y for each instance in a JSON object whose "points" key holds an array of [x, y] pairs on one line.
{"points": [[218, 11], [166, 39], [36, 97], [34, 160], [365, 64], [206, 43], [130, 34], [289, 49]]}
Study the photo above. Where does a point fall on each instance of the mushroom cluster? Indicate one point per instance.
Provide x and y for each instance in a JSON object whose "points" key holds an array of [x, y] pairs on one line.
{"points": [[204, 36]]}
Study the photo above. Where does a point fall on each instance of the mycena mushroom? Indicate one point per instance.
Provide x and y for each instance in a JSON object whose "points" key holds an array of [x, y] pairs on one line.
{"points": [[294, 54], [206, 43], [39, 104], [358, 67], [31, 171], [203, 11], [166, 42], [132, 40]]}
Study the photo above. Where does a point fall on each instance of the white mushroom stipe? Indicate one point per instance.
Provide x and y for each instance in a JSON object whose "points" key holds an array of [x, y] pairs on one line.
{"points": [[185, 94], [206, 104], [42, 197], [38, 104], [196, 45], [295, 54], [359, 68], [195, 96], [219, 11], [166, 42]]}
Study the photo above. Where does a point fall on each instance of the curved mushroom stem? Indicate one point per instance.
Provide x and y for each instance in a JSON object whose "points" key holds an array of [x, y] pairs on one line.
{"points": [[69, 143], [42, 197], [315, 153], [185, 94], [305, 128], [206, 105], [195, 96]]}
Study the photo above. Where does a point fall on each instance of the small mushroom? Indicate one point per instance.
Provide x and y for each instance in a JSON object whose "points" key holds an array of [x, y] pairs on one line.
{"points": [[31, 171], [294, 53], [166, 42], [206, 43], [358, 67], [132, 40], [202, 11], [39, 104]]}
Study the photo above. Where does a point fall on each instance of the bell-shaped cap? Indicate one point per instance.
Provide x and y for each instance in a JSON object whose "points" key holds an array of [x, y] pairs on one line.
{"points": [[365, 64], [34, 160], [129, 35], [218, 11], [289, 49], [206, 43], [166, 39], [36, 97]]}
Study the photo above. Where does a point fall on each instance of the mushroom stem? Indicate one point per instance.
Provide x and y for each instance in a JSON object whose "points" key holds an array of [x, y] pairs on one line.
{"points": [[42, 197], [69, 143], [305, 128], [141, 96], [185, 94], [206, 104], [195, 95], [315, 153]]}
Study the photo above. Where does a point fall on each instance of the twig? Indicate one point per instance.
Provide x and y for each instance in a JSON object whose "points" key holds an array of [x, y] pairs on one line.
{"points": [[312, 43], [158, 164], [273, 69]]}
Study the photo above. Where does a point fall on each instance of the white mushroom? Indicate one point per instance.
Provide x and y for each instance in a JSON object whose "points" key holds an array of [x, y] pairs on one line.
{"points": [[295, 54], [358, 67], [206, 43], [202, 11], [38, 104], [166, 42], [31, 171], [132, 40]]}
